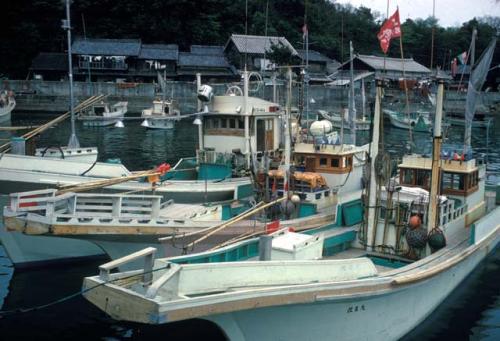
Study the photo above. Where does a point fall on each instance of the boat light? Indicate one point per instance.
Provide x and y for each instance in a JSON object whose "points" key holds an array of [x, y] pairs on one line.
{"points": [[197, 121]]}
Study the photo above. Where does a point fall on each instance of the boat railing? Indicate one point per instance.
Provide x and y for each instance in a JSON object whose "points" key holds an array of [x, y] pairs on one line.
{"points": [[148, 254], [210, 156], [448, 212], [81, 206]]}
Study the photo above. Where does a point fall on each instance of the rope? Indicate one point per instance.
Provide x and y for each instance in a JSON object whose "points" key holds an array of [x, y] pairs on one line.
{"points": [[71, 296]]}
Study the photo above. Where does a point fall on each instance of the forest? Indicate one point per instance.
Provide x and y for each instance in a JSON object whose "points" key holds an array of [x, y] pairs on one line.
{"points": [[33, 26]]}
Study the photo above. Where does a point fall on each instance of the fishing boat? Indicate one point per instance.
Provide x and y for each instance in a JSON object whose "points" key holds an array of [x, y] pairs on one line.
{"points": [[481, 119], [103, 114], [164, 112], [341, 121], [412, 250], [418, 121], [327, 182], [7, 104], [162, 115]]}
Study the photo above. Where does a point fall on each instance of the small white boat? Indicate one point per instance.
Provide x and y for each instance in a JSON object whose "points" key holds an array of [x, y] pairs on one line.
{"points": [[361, 124], [7, 104], [418, 120], [82, 154], [162, 115], [102, 114], [481, 120]]}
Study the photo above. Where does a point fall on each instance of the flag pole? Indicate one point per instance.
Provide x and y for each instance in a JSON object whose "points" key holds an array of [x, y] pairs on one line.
{"points": [[410, 132], [386, 17]]}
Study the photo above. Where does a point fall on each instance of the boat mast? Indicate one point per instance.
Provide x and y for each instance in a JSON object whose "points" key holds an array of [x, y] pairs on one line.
{"points": [[436, 161], [372, 197], [199, 108], [247, 124], [66, 25], [287, 133], [352, 109]]}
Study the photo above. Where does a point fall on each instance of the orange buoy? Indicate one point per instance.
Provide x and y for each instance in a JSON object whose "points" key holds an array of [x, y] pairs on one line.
{"points": [[414, 222]]}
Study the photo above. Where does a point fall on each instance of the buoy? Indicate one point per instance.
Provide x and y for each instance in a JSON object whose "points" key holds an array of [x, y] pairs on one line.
{"points": [[414, 222], [436, 239], [416, 238], [295, 199]]}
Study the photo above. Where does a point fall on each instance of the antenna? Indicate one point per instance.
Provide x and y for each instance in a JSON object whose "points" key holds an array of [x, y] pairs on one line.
{"points": [[66, 24]]}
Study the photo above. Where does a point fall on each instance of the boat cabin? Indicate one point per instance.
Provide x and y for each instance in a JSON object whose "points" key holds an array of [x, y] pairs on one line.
{"points": [[459, 177], [340, 165], [224, 125], [166, 107]]}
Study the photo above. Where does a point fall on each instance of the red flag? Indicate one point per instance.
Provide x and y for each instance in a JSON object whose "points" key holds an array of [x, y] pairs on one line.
{"points": [[390, 29], [304, 31]]}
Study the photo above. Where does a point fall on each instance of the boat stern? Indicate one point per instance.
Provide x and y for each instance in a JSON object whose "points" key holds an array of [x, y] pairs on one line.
{"points": [[120, 303]]}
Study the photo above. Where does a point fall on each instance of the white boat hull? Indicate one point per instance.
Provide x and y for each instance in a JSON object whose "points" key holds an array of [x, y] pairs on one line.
{"points": [[35, 251], [386, 315], [83, 154], [159, 123]]}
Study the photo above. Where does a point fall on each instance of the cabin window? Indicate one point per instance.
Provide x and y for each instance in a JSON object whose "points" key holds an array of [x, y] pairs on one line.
{"points": [[216, 123], [447, 180], [408, 177], [232, 123], [335, 162], [223, 123], [300, 160], [323, 162], [423, 178], [241, 124]]}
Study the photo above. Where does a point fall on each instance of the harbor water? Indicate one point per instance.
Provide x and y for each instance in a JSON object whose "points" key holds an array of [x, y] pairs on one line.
{"points": [[471, 313]]}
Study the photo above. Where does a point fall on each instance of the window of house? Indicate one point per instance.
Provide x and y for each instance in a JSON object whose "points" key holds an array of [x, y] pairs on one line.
{"points": [[323, 162]]}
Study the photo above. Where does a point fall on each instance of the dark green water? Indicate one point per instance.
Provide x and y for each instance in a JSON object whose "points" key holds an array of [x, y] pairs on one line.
{"points": [[473, 312]]}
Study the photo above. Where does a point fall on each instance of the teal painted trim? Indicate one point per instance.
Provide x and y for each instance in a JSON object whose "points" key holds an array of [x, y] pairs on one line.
{"points": [[352, 213], [181, 174], [472, 239], [387, 262], [239, 252], [307, 209], [338, 243], [244, 191], [226, 212], [213, 171]]}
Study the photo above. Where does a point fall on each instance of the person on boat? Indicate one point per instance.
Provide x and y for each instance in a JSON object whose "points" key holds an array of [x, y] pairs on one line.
{"points": [[456, 157]]}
